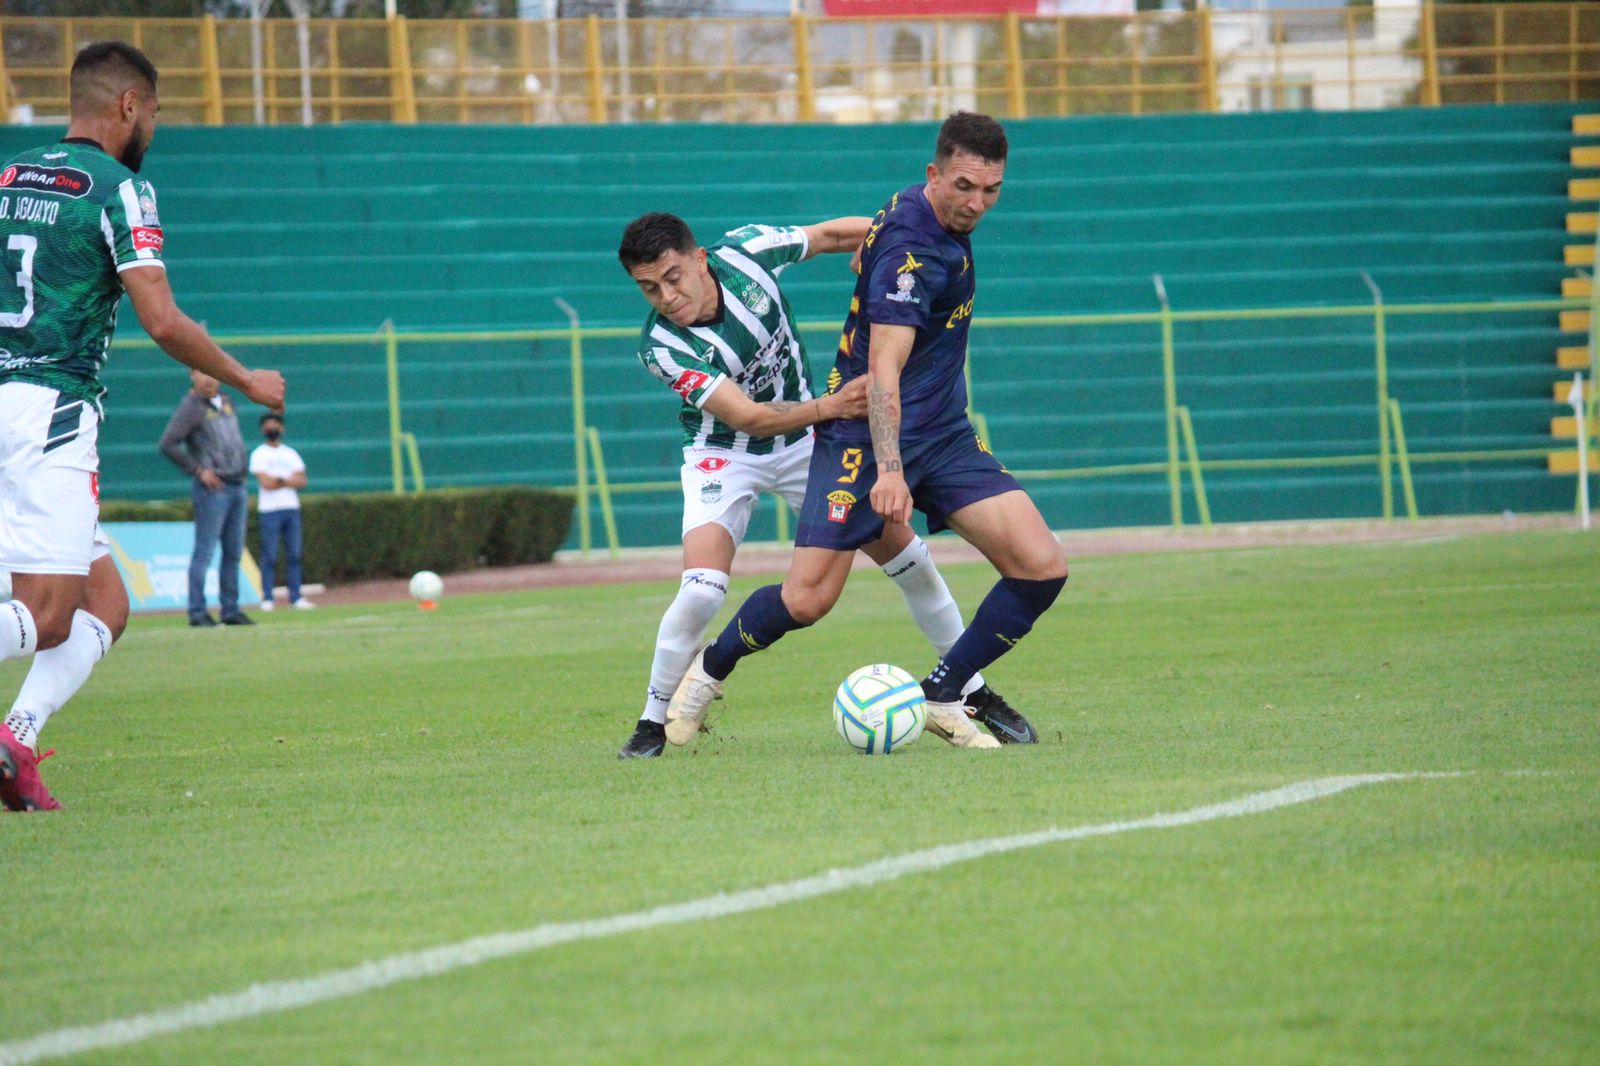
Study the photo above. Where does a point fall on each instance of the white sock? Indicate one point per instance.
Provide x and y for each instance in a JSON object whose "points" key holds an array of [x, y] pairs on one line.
{"points": [[56, 674], [929, 600], [18, 635], [696, 604]]}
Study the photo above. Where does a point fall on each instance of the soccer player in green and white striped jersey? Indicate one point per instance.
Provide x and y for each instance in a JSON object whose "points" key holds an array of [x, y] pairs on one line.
{"points": [[78, 227], [722, 337]]}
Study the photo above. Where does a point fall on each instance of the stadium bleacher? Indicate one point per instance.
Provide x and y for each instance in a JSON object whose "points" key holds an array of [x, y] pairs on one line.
{"points": [[458, 227]]}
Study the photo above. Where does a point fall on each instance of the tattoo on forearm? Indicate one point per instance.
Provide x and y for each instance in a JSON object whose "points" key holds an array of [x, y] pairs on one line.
{"points": [[883, 415]]}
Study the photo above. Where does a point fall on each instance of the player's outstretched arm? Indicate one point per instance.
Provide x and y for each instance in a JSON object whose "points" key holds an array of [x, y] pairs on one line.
{"points": [[785, 416], [836, 235], [186, 341], [888, 349]]}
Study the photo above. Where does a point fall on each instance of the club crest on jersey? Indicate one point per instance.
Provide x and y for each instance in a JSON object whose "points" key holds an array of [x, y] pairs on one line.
{"points": [[839, 504], [905, 286], [711, 492], [756, 298], [147, 206]]}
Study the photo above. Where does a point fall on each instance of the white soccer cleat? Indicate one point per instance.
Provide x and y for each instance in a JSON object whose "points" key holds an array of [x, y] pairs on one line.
{"points": [[950, 721], [694, 694]]}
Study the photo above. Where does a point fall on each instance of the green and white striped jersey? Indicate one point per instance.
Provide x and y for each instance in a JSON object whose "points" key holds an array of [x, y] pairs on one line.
{"points": [[71, 219], [752, 342]]}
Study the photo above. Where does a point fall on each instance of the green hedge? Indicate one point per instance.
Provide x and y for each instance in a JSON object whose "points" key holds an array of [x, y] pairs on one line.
{"points": [[363, 535]]}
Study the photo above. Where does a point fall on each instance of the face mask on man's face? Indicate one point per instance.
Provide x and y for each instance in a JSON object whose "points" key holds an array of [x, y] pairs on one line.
{"points": [[272, 435]]}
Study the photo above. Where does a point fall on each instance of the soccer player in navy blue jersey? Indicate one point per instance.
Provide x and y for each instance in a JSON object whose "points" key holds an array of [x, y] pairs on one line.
{"points": [[907, 332]]}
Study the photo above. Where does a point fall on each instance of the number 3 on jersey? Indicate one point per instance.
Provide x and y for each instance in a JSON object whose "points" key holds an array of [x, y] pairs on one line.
{"points": [[27, 246], [851, 461]]}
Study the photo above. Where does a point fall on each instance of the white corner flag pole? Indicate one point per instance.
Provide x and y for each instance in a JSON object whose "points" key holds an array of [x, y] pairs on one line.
{"points": [[1575, 398]]}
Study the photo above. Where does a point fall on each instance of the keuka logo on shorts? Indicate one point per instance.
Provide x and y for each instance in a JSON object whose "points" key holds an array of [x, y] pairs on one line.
{"points": [[59, 181]]}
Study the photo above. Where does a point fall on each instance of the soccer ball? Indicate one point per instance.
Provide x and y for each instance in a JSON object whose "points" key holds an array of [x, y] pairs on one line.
{"points": [[878, 709], [426, 586]]}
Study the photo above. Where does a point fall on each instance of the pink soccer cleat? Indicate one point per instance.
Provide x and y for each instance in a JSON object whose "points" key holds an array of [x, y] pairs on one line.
{"points": [[21, 788]]}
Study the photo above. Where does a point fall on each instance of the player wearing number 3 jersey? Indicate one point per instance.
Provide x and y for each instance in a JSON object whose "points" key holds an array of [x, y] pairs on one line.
{"points": [[906, 334], [78, 227], [722, 337]]}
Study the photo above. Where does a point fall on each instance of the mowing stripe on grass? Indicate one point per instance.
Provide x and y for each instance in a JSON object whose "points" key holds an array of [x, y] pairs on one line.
{"points": [[272, 997]]}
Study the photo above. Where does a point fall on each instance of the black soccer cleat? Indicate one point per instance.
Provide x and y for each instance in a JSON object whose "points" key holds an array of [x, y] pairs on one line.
{"points": [[647, 741], [990, 709]]}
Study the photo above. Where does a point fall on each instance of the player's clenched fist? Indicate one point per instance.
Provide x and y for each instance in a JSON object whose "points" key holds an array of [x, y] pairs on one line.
{"points": [[265, 387], [891, 499]]}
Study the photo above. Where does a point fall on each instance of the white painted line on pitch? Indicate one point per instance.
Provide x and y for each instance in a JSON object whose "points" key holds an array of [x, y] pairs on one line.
{"points": [[273, 997]]}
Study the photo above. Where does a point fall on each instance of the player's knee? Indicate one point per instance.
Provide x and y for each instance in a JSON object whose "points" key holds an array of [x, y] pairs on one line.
{"points": [[702, 593], [808, 605], [54, 627]]}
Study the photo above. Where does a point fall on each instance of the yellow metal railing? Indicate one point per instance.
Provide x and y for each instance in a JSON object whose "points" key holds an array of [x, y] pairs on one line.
{"points": [[589, 477], [800, 68]]}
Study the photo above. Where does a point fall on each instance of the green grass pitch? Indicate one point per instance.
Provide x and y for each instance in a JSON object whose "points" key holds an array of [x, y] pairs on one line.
{"points": [[344, 785]]}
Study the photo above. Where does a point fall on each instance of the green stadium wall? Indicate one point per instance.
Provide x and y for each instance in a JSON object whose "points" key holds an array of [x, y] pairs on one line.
{"points": [[483, 228]]}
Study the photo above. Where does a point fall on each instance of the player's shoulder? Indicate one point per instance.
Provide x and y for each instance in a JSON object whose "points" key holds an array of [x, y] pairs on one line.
{"points": [[658, 332]]}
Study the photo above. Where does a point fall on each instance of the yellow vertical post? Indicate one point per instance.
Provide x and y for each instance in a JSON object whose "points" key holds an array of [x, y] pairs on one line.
{"points": [[525, 62], [1169, 382], [1430, 56], [461, 70], [1380, 345], [5, 79], [335, 76], [1276, 93], [805, 85], [403, 104], [597, 72], [1136, 68], [1572, 52], [1350, 56], [391, 354], [1499, 54], [1063, 96], [211, 64], [602, 485], [1404, 457], [580, 428], [1208, 57], [1016, 90]]}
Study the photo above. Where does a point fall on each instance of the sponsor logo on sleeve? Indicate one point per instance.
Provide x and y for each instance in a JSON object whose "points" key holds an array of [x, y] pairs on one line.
{"points": [[689, 381], [147, 238], [839, 504], [711, 464], [58, 181]]}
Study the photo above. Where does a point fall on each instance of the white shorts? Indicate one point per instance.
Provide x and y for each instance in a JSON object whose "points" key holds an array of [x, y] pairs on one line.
{"points": [[49, 482], [724, 486]]}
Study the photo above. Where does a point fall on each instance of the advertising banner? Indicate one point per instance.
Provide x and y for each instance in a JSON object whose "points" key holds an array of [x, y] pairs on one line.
{"points": [[153, 558]]}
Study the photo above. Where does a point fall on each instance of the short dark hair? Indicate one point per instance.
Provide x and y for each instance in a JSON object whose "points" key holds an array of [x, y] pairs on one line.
{"points": [[970, 132], [270, 416], [109, 68], [649, 237]]}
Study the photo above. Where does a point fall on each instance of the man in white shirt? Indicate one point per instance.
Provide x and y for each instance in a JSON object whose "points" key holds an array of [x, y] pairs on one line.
{"points": [[280, 472]]}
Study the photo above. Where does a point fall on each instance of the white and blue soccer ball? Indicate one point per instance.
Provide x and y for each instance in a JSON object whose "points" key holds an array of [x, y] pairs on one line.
{"points": [[879, 709], [426, 586]]}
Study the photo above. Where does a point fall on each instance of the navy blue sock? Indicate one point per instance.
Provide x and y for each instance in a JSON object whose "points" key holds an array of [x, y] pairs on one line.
{"points": [[1004, 617], [760, 620]]}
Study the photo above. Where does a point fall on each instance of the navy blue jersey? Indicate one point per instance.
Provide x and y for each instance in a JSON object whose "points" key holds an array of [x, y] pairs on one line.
{"points": [[914, 272]]}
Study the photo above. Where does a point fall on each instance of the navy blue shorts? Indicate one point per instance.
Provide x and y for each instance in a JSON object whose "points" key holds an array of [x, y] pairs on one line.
{"points": [[944, 474]]}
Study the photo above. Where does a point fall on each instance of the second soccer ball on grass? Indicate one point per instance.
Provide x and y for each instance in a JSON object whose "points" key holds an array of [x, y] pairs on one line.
{"points": [[426, 587], [879, 709]]}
